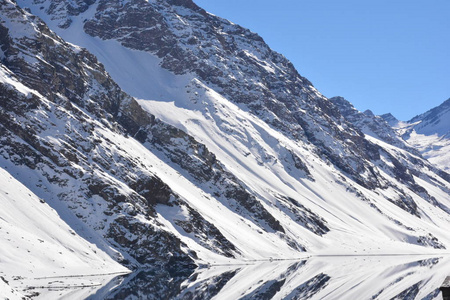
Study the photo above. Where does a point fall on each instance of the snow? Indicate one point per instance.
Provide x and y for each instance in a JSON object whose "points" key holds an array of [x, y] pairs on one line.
{"points": [[145, 79], [20, 24], [258, 155], [247, 151], [7, 79], [434, 147], [37, 245], [253, 151], [361, 221], [430, 134]]}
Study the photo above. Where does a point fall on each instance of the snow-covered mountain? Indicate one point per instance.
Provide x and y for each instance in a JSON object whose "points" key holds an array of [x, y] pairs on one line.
{"points": [[430, 134], [375, 126], [427, 134], [170, 137]]}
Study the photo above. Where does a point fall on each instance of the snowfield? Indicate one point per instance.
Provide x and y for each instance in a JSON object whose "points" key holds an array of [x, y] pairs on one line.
{"points": [[39, 249], [430, 134]]}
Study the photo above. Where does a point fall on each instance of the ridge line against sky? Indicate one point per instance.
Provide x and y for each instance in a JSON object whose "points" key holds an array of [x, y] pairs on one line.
{"points": [[387, 56]]}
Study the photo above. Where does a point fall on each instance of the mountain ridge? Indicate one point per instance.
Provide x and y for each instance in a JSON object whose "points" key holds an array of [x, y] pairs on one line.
{"points": [[430, 133], [193, 167], [309, 137]]}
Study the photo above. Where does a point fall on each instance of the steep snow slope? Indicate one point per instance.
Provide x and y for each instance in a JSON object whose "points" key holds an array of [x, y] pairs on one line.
{"points": [[434, 121], [35, 242], [226, 57], [427, 134], [9, 293], [254, 164], [434, 147], [52, 137], [261, 157]]}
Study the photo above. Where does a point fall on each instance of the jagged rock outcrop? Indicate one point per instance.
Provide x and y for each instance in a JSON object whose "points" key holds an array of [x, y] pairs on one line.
{"points": [[428, 133], [390, 119], [57, 127], [434, 121], [370, 124]]}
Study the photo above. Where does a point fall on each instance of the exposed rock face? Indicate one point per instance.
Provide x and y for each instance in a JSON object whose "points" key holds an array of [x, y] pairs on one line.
{"points": [[74, 96], [71, 96], [390, 119], [287, 167], [430, 134], [207, 171], [433, 121], [403, 170], [304, 216], [188, 40], [71, 93], [191, 41], [371, 125], [62, 11]]}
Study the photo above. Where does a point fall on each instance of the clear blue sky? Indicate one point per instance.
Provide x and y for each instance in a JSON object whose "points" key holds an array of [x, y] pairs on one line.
{"points": [[387, 56]]}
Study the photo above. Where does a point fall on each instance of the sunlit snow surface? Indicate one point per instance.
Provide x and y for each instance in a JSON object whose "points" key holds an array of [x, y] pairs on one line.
{"points": [[257, 155], [37, 249], [435, 148], [430, 134], [361, 221]]}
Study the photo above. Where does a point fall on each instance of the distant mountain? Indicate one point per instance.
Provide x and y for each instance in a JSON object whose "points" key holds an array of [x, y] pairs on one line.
{"points": [[434, 121], [430, 134], [390, 119], [171, 138], [374, 126], [426, 135]]}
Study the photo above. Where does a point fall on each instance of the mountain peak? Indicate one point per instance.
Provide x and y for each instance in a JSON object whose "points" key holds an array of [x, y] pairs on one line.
{"points": [[369, 113], [430, 133], [185, 3], [434, 121]]}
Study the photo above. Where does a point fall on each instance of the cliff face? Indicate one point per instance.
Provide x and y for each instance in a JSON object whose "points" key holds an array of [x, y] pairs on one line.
{"points": [[434, 121], [82, 139], [178, 138]]}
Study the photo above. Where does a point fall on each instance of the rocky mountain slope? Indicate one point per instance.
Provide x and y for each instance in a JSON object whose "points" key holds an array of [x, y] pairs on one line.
{"points": [[374, 126], [425, 135], [171, 137]]}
